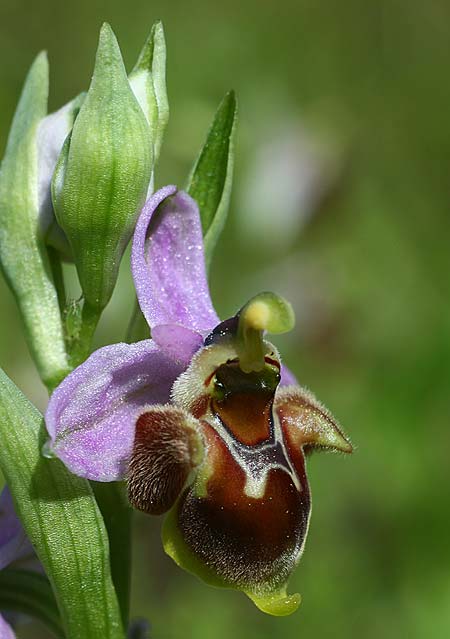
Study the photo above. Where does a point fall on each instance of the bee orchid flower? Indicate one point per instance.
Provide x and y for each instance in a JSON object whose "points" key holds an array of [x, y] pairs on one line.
{"points": [[202, 420]]}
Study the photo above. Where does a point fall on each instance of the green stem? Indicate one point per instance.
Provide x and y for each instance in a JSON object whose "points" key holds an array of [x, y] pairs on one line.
{"points": [[82, 346], [138, 328], [112, 501], [58, 279]]}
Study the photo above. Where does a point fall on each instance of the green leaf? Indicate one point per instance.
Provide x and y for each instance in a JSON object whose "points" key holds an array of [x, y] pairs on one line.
{"points": [[62, 520], [138, 328], [117, 514], [211, 179], [23, 254], [148, 81], [30, 593], [103, 174]]}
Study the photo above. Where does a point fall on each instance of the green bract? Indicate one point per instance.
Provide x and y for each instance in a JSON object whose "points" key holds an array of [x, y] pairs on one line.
{"points": [[148, 81], [23, 254], [103, 174], [211, 179]]}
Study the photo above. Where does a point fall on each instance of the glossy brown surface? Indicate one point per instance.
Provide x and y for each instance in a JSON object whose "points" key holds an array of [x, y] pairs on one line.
{"points": [[246, 415], [247, 541], [243, 401]]}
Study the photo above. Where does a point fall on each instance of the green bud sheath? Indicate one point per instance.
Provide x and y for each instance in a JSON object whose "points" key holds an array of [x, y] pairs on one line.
{"points": [[103, 174], [148, 82], [23, 254]]}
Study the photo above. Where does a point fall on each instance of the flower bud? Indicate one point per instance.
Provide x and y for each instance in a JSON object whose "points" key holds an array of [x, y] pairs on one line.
{"points": [[103, 173]]}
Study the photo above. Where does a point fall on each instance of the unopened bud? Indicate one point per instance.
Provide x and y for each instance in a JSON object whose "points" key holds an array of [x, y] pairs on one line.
{"points": [[103, 173]]}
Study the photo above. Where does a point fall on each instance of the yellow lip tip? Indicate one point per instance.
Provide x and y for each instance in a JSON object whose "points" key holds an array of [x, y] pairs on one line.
{"points": [[276, 605]]}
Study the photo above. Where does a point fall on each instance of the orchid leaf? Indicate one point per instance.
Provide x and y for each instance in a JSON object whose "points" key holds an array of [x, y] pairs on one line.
{"points": [[30, 593], [211, 179], [62, 520], [117, 515]]}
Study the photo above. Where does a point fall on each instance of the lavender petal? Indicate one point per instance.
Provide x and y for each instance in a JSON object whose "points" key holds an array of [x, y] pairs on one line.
{"points": [[168, 263], [287, 377], [14, 544], [6, 631], [91, 415], [179, 342]]}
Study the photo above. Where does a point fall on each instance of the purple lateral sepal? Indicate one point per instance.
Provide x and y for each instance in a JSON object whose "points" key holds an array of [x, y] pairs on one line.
{"points": [[287, 377], [177, 341], [168, 263], [14, 544], [91, 416], [6, 631], [52, 131]]}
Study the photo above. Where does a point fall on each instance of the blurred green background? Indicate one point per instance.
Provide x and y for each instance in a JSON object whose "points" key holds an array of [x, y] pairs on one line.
{"points": [[341, 203]]}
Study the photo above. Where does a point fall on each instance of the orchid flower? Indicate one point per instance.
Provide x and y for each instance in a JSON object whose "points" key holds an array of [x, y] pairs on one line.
{"points": [[15, 547], [202, 420]]}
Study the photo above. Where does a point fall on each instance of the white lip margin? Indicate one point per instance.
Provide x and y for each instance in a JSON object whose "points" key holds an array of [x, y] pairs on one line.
{"points": [[190, 386]]}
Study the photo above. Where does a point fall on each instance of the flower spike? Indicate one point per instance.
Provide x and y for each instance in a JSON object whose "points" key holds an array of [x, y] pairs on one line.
{"points": [[102, 175]]}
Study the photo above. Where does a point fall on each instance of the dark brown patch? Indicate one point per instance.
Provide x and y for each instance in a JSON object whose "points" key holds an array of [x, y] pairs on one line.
{"points": [[246, 541], [200, 406], [247, 416], [243, 401]]}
